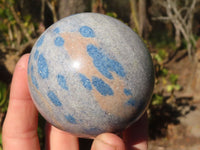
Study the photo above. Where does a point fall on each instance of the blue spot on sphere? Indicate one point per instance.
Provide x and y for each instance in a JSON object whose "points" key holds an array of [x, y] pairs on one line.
{"points": [[93, 131], [130, 102], [70, 119], [59, 41], [62, 82], [127, 92], [56, 30], [31, 68], [86, 82], [40, 41], [103, 63], [42, 67], [33, 79], [115, 66], [36, 54], [52, 96], [102, 87], [86, 31]]}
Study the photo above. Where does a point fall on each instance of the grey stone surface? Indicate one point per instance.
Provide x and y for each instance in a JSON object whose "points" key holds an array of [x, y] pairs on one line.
{"points": [[90, 73]]}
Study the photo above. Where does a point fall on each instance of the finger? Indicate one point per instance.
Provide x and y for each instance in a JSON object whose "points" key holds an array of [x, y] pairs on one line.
{"points": [[58, 139], [20, 125], [136, 136], [108, 141]]}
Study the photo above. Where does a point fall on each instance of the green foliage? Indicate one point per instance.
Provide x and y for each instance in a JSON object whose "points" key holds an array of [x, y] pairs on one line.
{"points": [[173, 78], [12, 23], [169, 80], [162, 39], [163, 72], [166, 81], [5, 12], [6, 20], [112, 14], [4, 92], [4, 96], [173, 86], [157, 99], [161, 55]]}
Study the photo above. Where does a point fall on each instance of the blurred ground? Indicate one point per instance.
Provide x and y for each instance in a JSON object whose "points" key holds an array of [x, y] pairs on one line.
{"points": [[181, 121], [183, 136]]}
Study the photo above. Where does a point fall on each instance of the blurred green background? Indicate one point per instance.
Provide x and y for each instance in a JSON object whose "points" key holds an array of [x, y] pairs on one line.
{"points": [[170, 29]]}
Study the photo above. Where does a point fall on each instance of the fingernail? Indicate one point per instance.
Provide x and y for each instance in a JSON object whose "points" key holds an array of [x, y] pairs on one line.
{"points": [[101, 145]]}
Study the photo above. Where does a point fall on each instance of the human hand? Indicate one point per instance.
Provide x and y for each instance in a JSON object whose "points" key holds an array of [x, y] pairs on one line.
{"points": [[20, 125]]}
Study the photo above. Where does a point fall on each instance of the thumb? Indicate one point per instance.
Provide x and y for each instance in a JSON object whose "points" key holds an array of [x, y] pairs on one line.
{"points": [[108, 141]]}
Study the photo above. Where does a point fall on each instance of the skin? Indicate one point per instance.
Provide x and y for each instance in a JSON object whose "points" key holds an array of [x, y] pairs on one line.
{"points": [[20, 125]]}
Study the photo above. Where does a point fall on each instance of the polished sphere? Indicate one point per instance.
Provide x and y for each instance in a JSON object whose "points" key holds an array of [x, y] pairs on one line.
{"points": [[89, 74]]}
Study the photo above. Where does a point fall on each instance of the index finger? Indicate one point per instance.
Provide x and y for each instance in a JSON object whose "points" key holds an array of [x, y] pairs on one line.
{"points": [[20, 125]]}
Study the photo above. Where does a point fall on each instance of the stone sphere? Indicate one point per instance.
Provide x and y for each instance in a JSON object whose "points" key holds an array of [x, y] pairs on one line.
{"points": [[89, 74]]}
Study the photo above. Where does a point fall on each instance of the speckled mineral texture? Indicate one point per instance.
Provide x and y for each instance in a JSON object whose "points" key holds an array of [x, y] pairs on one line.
{"points": [[90, 73]]}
